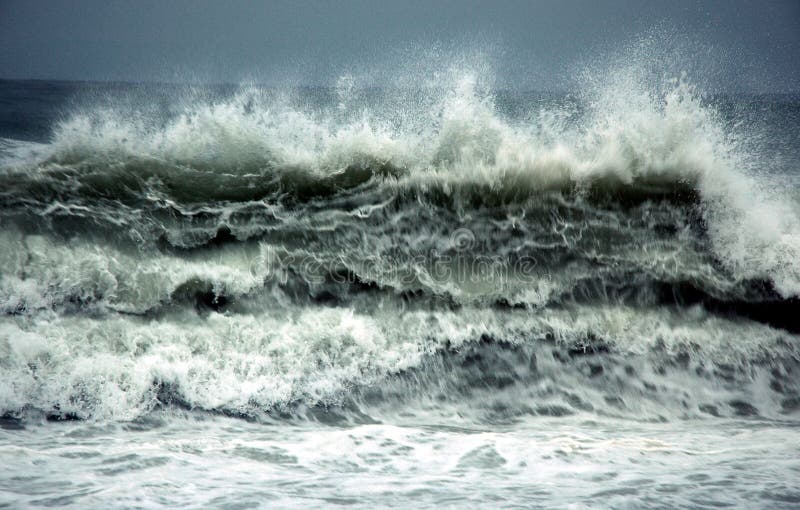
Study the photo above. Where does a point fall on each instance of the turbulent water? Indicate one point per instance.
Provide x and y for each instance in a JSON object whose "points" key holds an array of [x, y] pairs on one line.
{"points": [[442, 295]]}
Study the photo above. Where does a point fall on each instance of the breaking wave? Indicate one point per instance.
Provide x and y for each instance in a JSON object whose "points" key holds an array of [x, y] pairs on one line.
{"points": [[271, 252]]}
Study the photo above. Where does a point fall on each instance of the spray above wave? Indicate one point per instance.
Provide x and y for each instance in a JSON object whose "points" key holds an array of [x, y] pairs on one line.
{"points": [[463, 142]]}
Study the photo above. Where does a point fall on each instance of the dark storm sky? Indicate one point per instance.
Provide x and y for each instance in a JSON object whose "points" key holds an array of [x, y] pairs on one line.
{"points": [[751, 45]]}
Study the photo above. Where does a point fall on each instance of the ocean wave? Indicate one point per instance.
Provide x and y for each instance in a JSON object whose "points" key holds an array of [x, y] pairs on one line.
{"points": [[243, 328], [292, 360], [619, 145], [571, 252], [256, 256], [250, 141]]}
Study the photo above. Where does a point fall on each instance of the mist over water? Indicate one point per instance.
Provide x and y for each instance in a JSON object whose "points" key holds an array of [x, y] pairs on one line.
{"points": [[439, 292]]}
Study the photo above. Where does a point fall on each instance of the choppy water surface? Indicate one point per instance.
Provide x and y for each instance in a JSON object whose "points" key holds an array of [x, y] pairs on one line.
{"points": [[448, 295], [542, 461]]}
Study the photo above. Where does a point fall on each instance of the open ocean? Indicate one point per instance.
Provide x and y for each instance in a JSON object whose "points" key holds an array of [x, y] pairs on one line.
{"points": [[430, 297]]}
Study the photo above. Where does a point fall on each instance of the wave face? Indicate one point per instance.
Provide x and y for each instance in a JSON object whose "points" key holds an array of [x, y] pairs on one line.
{"points": [[342, 253]]}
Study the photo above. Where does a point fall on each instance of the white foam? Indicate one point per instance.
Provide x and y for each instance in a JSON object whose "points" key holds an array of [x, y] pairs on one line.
{"points": [[248, 363]]}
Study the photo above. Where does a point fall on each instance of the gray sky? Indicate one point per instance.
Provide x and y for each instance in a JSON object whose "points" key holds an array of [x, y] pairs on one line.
{"points": [[751, 45]]}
